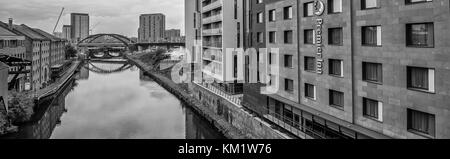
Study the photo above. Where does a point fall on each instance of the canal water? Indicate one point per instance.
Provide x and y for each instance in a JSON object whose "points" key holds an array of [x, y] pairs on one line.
{"points": [[114, 100]]}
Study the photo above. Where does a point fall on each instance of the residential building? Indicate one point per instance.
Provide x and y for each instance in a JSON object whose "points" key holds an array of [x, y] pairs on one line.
{"points": [[67, 31], [221, 34], [79, 26], [13, 44], [3, 87], [173, 35], [152, 27], [57, 48]]}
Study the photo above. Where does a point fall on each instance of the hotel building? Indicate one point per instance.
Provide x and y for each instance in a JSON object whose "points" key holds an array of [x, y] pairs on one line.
{"points": [[360, 69]]}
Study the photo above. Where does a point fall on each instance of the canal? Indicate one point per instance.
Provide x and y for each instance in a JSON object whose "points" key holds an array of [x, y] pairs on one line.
{"points": [[114, 100]]}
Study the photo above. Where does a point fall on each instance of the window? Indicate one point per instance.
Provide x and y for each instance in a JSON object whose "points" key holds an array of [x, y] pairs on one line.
{"points": [[288, 37], [334, 6], [260, 37], [371, 35], [308, 9], [420, 122], [372, 109], [336, 67], [336, 99], [369, 4], [373, 72], [260, 18], [288, 61], [420, 35], [259, 1], [272, 37], [1, 44], [310, 64], [270, 58], [421, 78], [310, 91], [272, 15], [335, 36], [309, 36], [417, 1], [288, 85], [287, 12]]}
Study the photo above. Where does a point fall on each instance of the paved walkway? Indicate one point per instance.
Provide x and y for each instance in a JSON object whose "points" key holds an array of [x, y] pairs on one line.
{"points": [[54, 87]]}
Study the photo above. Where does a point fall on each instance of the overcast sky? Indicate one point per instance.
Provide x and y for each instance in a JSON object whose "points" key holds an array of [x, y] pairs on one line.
{"points": [[112, 16]]}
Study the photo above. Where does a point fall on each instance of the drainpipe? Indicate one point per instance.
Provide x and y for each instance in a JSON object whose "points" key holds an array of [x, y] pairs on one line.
{"points": [[10, 23], [352, 42]]}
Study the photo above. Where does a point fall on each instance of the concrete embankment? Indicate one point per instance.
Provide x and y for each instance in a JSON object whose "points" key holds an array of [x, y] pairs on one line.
{"points": [[229, 119]]}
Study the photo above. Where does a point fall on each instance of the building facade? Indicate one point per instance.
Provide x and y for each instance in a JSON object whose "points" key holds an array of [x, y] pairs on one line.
{"points": [[359, 69], [173, 35], [152, 27], [79, 26], [13, 44], [67, 32]]}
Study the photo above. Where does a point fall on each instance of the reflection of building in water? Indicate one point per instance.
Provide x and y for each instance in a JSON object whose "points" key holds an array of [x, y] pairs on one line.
{"points": [[196, 128], [84, 74], [48, 118]]}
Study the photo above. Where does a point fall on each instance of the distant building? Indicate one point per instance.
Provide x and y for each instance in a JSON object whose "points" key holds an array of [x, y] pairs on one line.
{"points": [[173, 35], [57, 34], [67, 31], [79, 26], [151, 27]]}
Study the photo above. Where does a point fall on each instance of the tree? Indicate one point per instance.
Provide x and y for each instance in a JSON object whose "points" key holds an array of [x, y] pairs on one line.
{"points": [[70, 51], [21, 107], [155, 58]]}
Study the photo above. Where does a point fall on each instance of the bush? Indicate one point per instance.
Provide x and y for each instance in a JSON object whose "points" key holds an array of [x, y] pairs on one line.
{"points": [[20, 107], [155, 58], [3, 123]]}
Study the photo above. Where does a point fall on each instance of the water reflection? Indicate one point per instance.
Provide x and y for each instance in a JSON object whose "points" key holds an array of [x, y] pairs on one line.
{"points": [[122, 105]]}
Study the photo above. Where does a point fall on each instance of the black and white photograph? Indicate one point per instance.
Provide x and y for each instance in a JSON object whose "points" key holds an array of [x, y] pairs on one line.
{"points": [[262, 70]]}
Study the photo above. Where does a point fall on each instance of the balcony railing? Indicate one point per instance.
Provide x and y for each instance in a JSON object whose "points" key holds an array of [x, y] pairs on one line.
{"points": [[213, 5], [212, 18], [217, 31], [212, 44]]}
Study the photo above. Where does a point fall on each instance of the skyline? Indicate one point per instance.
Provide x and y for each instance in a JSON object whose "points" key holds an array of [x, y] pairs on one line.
{"points": [[44, 13]]}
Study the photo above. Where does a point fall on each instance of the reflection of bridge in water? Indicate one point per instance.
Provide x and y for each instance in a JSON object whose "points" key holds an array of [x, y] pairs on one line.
{"points": [[107, 66]]}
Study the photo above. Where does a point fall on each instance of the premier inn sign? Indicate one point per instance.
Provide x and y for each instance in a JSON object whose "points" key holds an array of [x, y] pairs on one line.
{"points": [[319, 8]]}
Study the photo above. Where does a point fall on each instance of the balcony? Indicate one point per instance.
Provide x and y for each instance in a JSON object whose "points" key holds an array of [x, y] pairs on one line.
{"points": [[212, 44], [212, 19], [213, 5], [211, 32]]}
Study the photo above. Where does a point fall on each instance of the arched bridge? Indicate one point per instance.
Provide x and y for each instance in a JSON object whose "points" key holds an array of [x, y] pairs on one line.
{"points": [[105, 45], [107, 67]]}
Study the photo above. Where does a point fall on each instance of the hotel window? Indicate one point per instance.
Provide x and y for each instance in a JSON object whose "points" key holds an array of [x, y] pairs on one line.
{"points": [[420, 35], [421, 79], [272, 15], [372, 72], [371, 35], [288, 37], [310, 91], [336, 99], [309, 36], [288, 85], [335, 36], [260, 37], [288, 61], [272, 37], [310, 64], [336, 67], [308, 9], [369, 4], [372, 109], [287, 13], [260, 18], [417, 1], [421, 123], [334, 6]]}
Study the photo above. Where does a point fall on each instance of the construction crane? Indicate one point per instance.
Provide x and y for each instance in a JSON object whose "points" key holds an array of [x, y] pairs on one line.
{"points": [[59, 18], [93, 27]]}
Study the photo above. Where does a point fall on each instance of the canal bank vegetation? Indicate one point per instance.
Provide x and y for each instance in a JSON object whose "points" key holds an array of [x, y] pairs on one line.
{"points": [[154, 58], [21, 109]]}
